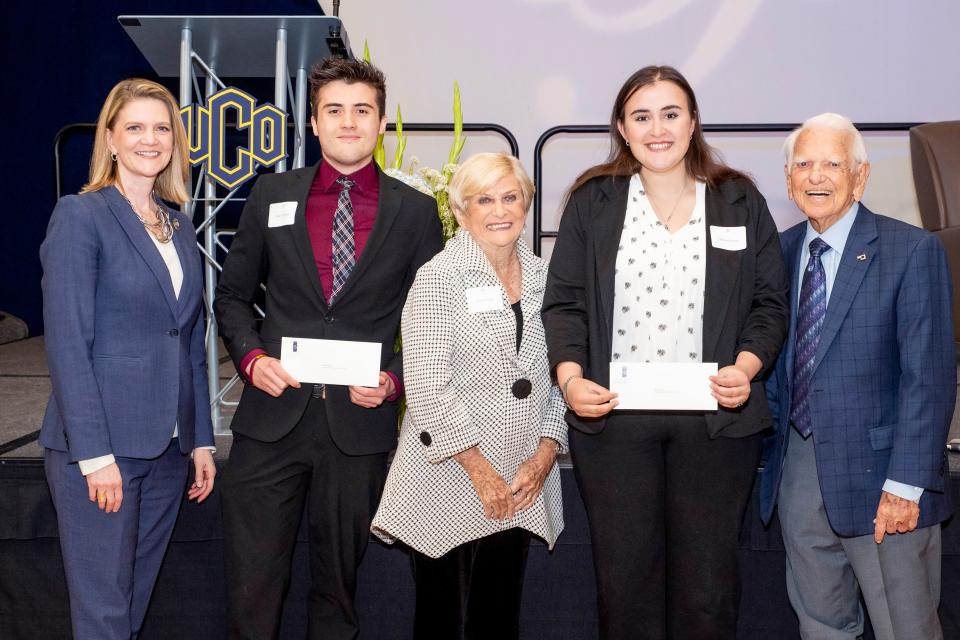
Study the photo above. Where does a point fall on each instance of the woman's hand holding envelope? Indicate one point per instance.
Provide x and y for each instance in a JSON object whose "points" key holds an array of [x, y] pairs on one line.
{"points": [[585, 397], [731, 385]]}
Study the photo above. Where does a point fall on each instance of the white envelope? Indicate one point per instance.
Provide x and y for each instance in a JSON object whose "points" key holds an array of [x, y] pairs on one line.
{"points": [[341, 362], [663, 386]]}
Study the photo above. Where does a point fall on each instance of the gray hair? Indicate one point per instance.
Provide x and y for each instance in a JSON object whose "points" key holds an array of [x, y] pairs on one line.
{"points": [[858, 149]]}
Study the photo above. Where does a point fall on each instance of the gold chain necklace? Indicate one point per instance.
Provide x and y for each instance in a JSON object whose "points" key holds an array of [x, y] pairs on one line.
{"points": [[666, 223]]}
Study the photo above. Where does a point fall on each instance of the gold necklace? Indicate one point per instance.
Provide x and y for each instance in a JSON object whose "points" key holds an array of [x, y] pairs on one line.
{"points": [[666, 223]]}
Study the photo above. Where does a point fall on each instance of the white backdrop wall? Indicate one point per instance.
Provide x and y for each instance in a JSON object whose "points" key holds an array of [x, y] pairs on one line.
{"points": [[533, 64]]}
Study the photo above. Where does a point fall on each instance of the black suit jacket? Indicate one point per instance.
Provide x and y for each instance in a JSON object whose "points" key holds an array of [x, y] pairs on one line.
{"points": [[405, 235], [745, 292]]}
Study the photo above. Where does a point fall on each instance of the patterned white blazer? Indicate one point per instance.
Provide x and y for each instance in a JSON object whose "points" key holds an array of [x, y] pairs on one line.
{"points": [[459, 371]]}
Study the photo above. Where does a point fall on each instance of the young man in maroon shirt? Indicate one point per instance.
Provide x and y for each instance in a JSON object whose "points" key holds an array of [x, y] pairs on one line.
{"points": [[337, 246]]}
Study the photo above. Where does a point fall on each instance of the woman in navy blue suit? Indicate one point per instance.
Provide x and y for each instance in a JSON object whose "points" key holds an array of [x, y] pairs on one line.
{"points": [[124, 327]]}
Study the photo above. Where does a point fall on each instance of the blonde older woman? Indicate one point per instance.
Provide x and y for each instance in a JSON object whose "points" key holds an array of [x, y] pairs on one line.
{"points": [[475, 471]]}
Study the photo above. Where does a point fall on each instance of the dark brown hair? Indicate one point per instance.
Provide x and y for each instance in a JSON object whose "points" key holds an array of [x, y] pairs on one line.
{"points": [[702, 161], [349, 71]]}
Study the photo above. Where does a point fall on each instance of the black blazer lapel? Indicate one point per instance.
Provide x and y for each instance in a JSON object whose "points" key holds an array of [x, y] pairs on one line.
{"points": [[299, 190], [144, 245], [388, 206], [607, 230], [849, 277], [723, 267]]}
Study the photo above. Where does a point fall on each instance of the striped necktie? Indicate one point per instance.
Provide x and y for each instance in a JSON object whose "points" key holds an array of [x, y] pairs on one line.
{"points": [[343, 244], [811, 311]]}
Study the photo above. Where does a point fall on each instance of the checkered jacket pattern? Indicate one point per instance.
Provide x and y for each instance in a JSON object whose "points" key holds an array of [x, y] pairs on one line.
{"points": [[459, 369]]}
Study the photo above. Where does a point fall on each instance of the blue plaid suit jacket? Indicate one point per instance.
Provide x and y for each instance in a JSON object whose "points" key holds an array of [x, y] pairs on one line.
{"points": [[884, 382]]}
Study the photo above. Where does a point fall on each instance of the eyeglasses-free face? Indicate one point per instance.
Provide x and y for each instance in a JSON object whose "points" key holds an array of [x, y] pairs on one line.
{"points": [[142, 139], [657, 124], [347, 124]]}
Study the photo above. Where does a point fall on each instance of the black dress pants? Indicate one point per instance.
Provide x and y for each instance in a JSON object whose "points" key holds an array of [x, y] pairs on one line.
{"points": [[264, 490], [472, 592], [665, 505]]}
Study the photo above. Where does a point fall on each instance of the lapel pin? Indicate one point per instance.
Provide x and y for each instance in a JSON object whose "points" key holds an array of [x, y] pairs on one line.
{"points": [[862, 257], [176, 224]]}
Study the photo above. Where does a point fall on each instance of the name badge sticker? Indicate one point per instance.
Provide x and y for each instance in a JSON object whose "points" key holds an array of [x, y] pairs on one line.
{"points": [[728, 238], [281, 214], [480, 299]]}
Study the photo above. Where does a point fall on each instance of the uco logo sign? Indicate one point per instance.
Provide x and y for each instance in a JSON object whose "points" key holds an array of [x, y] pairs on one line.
{"points": [[265, 126]]}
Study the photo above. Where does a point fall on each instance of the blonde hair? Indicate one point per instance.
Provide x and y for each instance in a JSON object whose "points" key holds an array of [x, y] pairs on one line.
{"points": [[171, 183], [482, 172]]}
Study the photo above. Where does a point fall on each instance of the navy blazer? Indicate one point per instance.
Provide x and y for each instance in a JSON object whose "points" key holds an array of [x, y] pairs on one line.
{"points": [[745, 292], [126, 356], [884, 380]]}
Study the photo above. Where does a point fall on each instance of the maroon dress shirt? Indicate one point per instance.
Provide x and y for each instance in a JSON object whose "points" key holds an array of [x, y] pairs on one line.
{"points": [[321, 207]]}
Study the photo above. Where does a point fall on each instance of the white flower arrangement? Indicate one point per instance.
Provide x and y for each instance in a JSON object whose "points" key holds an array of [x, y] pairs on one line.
{"points": [[427, 180], [424, 179]]}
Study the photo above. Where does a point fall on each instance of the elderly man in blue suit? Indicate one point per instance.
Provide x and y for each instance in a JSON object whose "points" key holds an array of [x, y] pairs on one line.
{"points": [[862, 397]]}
